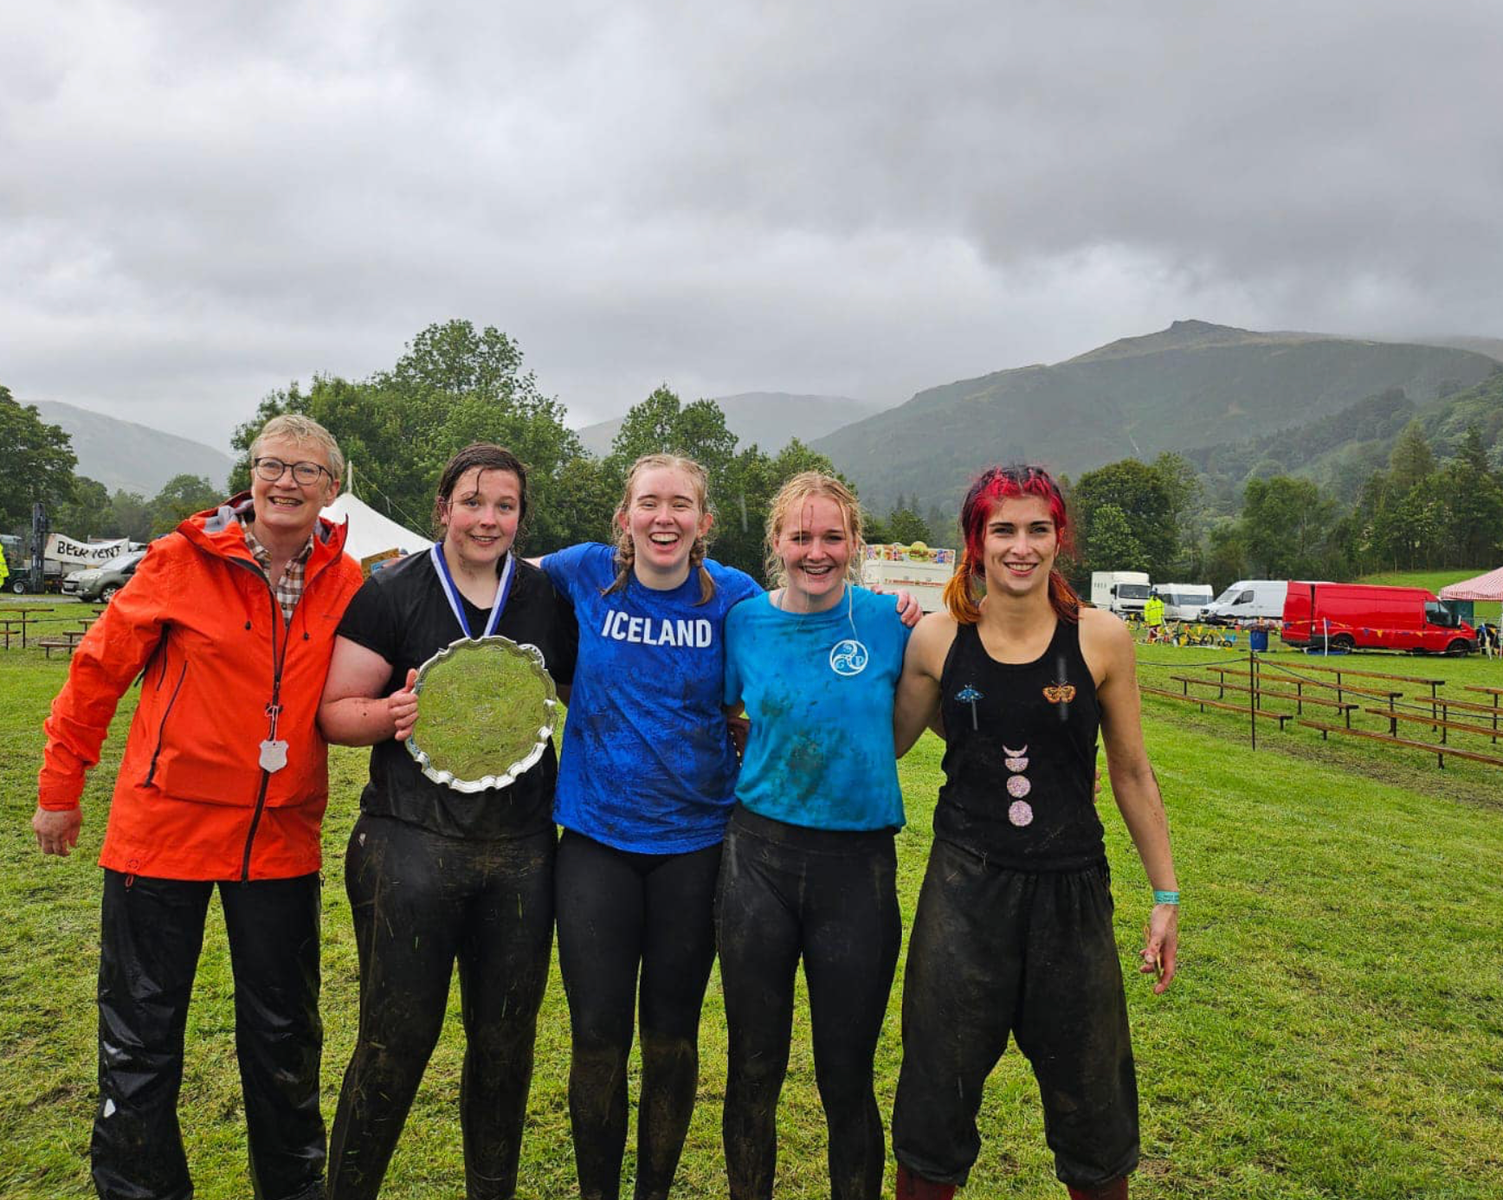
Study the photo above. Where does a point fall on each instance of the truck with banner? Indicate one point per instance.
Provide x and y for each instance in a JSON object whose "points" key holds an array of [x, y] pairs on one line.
{"points": [[918, 569]]}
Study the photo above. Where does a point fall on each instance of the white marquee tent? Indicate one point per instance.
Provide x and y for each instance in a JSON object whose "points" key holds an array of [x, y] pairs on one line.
{"points": [[370, 532]]}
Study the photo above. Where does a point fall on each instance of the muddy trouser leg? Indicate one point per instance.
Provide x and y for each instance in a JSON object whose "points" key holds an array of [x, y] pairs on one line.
{"points": [[960, 997], [1072, 1025], [678, 950], [407, 919], [852, 931], [503, 972], [273, 928], [760, 938], [151, 932], [599, 913]]}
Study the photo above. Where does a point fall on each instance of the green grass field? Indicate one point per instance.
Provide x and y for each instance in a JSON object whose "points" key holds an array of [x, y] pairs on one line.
{"points": [[1336, 1030]]}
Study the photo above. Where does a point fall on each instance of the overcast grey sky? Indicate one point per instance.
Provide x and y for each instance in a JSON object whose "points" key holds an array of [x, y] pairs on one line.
{"points": [[202, 201]]}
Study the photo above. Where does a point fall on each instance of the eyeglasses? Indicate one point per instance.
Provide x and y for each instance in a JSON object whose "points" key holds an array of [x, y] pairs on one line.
{"points": [[306, 473]]}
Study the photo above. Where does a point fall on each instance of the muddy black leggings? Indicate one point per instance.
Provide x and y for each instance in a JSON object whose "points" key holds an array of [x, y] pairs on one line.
{"points": [[421, 901], [829, 898], [617, 911]]}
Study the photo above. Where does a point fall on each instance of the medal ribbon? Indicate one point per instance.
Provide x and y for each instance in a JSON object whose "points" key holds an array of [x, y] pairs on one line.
{"points": [[451, 593]]}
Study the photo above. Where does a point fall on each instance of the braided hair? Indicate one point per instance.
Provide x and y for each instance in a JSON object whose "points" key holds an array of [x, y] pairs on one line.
{"points": [[626, 550]]}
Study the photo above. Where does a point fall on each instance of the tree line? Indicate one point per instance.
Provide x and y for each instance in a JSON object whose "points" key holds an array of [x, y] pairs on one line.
{"points": [[453, 384], [1415, 512]]}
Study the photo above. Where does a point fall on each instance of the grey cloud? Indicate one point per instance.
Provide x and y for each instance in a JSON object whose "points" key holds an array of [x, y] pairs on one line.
{"points": [[204, 200]]}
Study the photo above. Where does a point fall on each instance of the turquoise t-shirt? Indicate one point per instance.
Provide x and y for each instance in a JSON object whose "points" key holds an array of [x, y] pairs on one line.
{"points": [[818, 689]]}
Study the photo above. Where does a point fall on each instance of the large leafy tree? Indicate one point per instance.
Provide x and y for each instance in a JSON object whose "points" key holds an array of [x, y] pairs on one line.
{"points": [[180, 498], [39, 462], [1145, 499], [453, 385], [1288, 526]]}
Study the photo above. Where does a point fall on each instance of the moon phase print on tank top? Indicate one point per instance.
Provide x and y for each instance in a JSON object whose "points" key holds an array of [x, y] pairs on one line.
{"points": [[1019, 812]]}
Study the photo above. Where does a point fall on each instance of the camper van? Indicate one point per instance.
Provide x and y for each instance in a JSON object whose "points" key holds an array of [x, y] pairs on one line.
{"points": [[1248, 600], [1183, 601], [921, 570], [1364, 616], [1121, 592]]}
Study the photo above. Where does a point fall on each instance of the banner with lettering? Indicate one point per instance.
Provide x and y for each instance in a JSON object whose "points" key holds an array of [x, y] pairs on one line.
{"points": [[65, 549]]}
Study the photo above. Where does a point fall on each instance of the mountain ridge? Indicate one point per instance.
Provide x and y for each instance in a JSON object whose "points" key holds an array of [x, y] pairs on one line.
{"points": [[1192, 384], [127, 456]]}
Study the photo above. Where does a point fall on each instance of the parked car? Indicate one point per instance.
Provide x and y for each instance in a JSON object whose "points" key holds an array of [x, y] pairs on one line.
{"points": [[103, 581], [1365, 616], [1248, 600]]}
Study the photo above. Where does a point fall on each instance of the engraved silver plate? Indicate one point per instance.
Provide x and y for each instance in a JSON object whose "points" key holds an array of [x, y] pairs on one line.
{"points": [[486, 711]]}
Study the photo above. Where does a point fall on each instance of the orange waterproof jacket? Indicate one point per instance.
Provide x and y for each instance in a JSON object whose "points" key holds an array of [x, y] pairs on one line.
{"points": [[201, 626]]}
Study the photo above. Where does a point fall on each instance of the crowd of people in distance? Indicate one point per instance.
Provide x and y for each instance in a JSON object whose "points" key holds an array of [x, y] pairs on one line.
{"points": [[650, 843]]}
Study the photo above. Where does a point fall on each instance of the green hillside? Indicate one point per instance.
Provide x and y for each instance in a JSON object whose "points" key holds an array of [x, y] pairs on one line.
{"points": [[1340, 450], [1192, 385]]}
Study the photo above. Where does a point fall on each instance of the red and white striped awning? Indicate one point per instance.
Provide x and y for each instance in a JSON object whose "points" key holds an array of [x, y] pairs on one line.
{"points": [[1483, 587]]}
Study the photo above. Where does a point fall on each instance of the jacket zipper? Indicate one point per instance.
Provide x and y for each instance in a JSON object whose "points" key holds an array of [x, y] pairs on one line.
{"points": [[277, 622], [162, 726], [276, 691]]}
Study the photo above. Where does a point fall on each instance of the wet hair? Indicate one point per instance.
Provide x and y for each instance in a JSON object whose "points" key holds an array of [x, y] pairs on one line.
{"points": [[488, 457], [626, 550], [992, 486], [305, 431], [790, 500]]}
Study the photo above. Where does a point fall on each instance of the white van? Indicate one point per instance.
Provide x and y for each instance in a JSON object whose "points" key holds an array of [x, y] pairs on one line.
{"points": [[1183, 601], [1248, 600]]}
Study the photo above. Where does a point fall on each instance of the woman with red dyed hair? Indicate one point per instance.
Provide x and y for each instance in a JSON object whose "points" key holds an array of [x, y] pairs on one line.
{"points": [[1013, 933]]}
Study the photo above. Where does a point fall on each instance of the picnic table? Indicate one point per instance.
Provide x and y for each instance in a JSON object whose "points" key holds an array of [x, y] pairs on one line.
{"points": [[16, 619]]}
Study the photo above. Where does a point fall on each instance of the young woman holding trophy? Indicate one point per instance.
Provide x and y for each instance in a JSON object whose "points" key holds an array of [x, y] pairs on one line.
{"points": [[436, 874]]}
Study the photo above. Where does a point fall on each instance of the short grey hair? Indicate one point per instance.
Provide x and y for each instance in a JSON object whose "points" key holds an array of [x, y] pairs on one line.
{"points": [[298, 428]]}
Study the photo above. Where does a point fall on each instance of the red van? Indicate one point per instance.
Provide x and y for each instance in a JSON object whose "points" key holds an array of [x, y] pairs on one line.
{"points": [[1365, 616]]}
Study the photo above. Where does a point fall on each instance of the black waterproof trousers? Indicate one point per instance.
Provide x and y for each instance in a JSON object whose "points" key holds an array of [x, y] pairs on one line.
{"points": [[151, 934], [420, 902], [995, 952], [830, 898], [617, 911]]}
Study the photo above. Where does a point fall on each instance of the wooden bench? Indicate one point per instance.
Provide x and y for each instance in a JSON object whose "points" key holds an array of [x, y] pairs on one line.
{"points": [[1206, 703], [49, 644], [1432, 684], [1299, 699], [1433, 722], [1440, 752], [1339, 688]]}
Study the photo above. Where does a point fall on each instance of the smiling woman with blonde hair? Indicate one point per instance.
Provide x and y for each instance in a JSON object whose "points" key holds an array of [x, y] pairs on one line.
{"points": [[809, 869]]}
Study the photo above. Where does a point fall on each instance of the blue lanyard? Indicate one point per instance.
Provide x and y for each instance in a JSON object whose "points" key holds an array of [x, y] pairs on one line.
{"points": [[451, 593]]}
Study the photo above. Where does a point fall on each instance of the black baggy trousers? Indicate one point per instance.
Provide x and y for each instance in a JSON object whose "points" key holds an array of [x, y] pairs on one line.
{"points": [[151, 934], [994, 953]]}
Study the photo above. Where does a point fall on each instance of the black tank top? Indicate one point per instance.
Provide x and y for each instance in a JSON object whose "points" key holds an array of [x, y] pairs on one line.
{"points": [[1020, 755]]}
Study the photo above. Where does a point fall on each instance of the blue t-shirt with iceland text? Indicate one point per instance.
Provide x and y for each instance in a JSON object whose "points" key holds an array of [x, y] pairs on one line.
{"points": [[647, 763], [818, 689]]}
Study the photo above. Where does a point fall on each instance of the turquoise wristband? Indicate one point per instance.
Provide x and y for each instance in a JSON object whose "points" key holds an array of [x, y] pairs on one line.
{"points": [[1165, 897]]}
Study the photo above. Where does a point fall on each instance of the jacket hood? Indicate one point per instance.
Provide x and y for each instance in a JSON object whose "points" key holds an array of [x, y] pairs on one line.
{"points": [[218, 529]]}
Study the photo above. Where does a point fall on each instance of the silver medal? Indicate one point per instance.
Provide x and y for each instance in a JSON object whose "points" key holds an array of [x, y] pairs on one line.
{"points": [[273, 754]]}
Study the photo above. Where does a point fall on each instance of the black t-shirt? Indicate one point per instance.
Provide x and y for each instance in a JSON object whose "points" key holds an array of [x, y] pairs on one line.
{"points": [[401, 613]]}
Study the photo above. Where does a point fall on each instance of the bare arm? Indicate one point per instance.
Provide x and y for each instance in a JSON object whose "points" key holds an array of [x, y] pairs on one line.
{"points": [[353, 712], [1108, 647], [916, 704]]}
